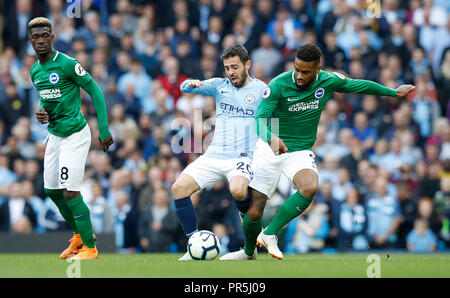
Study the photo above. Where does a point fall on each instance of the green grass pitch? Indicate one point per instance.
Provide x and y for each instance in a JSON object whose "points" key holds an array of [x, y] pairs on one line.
{"points": [[166, 265]]}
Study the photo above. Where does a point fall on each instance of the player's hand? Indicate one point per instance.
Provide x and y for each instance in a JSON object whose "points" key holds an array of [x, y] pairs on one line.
{"points": [[277, 145], [195, 84], [42, 116], [404, 90], [106, 143]]}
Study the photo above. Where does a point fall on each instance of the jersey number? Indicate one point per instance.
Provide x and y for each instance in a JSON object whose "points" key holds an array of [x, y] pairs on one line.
{"points": [[64, 173], [245, 168]]}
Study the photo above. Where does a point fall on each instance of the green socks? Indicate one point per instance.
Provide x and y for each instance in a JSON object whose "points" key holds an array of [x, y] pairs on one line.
{"points": [[291, 208], [82, 217], [251, 231], [58, 198]]}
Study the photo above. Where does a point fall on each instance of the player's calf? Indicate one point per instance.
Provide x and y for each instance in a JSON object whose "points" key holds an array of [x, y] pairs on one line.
{"points": [[257, 204]]}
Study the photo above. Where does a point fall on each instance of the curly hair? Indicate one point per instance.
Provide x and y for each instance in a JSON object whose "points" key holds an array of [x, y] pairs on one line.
{"points": [[308, 53]]}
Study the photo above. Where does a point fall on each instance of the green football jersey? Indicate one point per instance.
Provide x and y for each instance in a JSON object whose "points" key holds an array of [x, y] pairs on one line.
{"points": [[294, 112], [58, 82]]}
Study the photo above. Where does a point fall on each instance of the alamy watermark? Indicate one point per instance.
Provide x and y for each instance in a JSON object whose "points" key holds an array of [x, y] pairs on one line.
{"points": [[374, 269], [193, 135], [73, 9], [74, 269]]}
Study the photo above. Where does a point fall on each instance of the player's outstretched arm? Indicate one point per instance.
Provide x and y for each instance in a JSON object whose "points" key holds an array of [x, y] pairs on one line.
{"points": [[207, 87], [348, 85], [195, 84]]}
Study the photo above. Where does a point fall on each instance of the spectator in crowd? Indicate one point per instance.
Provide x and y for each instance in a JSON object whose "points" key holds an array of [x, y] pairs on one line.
{"points": [[15, 32], [31, 198], [350, 222], [407, 200], [90, 29], [308, 235], [342, 185], [425, 210], [171, 78], [335, 121], [430, 184], [14, 209], [141, 81], [284, 25], [7, 176], [394, 158], [125, 224], [383, 215], [158, 224], [101, 213], [266, 55], [363, 131], [356, 155], [154, 182], [421, 239]]}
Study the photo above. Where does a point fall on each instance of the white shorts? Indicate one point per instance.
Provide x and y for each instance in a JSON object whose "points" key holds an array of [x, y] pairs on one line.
{"points": [[268, 167], [207, 171], [65, 160]]}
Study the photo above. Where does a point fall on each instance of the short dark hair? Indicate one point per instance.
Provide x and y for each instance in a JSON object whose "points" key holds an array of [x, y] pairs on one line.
{"points": [[308, 53], [236, 50]]}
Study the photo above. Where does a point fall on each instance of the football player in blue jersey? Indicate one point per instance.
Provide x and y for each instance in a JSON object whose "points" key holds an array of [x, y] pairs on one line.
{"points": [[229, 155]]}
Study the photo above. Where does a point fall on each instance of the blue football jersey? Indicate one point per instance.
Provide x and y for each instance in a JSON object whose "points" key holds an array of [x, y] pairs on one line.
{"points": [[235, 135]]}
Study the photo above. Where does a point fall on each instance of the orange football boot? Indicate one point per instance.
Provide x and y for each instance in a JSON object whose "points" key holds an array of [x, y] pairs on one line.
{"points": [[86, 253], [76, 243]]}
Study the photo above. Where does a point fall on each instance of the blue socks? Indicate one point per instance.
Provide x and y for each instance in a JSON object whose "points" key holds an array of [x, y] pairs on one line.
{"points": [[243, 205], [186, 215]]}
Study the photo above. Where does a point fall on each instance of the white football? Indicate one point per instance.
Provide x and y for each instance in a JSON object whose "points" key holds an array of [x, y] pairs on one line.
{"points": [[203, 245]]}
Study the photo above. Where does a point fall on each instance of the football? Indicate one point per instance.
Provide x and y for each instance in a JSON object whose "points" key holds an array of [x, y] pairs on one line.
{"points": [[203, 245]]}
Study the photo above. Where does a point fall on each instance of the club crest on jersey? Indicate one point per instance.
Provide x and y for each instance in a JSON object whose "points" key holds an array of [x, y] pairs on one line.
{"points": [[53, 78], [249, 99], [266, 92], [319, 93]]}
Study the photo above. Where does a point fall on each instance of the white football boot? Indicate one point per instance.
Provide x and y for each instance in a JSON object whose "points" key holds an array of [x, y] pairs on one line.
{"points": [[270, 242], [238, 255], [186, 257]]}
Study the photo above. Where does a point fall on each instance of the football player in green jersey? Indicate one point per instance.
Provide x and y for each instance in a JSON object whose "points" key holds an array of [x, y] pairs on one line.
{"points": [[58, 79], [286, 122]]}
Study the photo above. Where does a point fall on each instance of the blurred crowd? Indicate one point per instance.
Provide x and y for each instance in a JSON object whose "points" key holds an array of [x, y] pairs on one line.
{"points": [[384, 163]]}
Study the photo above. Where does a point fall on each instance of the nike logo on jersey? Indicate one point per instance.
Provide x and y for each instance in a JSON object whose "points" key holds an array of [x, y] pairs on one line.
{"points": [[291, 99], [35, 82], [223, 91]]}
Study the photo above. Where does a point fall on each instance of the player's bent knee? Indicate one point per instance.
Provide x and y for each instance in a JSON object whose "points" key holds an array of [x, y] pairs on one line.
{"points": [[254, 214], [239, 193], [178, 190], [69, 195], [182, 189], [309, 191]]}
